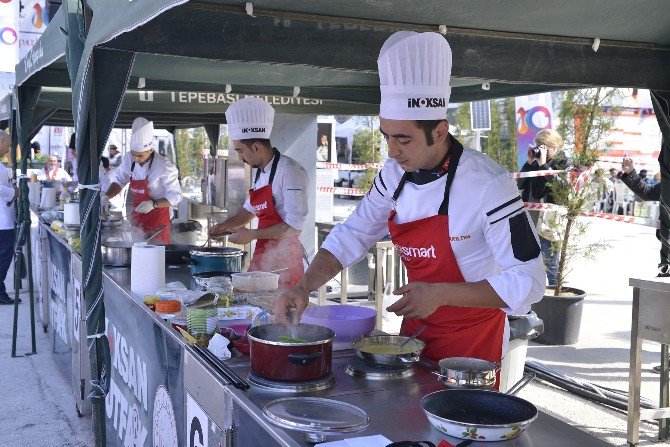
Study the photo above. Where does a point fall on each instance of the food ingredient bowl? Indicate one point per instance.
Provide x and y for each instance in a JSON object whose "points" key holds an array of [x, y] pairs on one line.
{"points": [[255, 281]]}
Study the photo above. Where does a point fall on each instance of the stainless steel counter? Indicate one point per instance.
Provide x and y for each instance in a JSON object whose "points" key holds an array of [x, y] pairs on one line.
{"points": [[393, 405], [395, 411]]}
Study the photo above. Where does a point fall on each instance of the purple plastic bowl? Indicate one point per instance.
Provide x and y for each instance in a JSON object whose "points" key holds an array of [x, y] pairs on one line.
{"points": [[349, 322]]}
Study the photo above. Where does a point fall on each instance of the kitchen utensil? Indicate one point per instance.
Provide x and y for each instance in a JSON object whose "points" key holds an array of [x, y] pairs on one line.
{"points": [[316, 417], [255, 281], [412, 337], [291, 362], [479, 415], [348, 321], [467, 372], [155, 233], [216, 259], [217, 364], [391, 342]]}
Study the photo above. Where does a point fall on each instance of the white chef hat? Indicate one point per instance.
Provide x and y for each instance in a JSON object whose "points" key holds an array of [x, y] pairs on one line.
{"points": [[414, 75], [142, 135], [250, 118]]}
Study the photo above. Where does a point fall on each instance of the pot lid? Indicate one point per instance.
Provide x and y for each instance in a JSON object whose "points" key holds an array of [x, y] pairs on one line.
{"points": [[219, 252], [316, 415]]}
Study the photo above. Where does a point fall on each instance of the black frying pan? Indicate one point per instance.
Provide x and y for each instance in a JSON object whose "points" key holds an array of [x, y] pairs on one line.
{"points": [[479, 415]]}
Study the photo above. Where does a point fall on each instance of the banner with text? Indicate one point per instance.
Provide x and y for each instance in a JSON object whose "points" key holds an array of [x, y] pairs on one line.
{"points": [[145, 403]]}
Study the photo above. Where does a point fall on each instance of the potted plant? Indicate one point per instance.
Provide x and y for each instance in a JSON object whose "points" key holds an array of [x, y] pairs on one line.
{"points": [[585, 124]]}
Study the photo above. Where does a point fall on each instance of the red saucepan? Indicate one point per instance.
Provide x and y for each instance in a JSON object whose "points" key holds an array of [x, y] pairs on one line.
{"points": [[274, 358]]}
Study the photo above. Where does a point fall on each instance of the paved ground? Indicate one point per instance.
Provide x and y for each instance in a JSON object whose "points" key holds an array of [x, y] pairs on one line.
{"points": [[37, 405], [39, 410]]}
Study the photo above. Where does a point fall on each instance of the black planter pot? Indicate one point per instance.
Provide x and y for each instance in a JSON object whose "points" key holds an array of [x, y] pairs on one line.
{"points": [[562, 316]]}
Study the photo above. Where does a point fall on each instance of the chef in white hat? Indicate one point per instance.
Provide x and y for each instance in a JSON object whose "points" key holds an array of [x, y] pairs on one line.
{"points": [[454, 215], [153, 181], [278, 196]]}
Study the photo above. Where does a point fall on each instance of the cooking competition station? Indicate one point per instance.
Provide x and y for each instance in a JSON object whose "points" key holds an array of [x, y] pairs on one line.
{"points": [[197, 359]]}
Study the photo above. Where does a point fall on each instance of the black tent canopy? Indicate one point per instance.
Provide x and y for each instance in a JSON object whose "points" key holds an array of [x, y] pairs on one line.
{"points": [[320, 51]]}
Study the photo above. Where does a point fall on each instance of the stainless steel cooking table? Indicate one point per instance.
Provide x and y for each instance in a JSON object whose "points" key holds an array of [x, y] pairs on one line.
{"points": [[651, 311]]}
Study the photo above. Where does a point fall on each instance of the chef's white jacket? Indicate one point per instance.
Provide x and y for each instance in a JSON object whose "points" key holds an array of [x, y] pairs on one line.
{"points": [[7, 195], [61, 175], [163, 177], [491, 234], [289, 189]]}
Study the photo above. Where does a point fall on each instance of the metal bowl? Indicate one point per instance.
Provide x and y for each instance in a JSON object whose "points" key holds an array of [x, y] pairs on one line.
{"points": [[411, 355], [467, 372]]}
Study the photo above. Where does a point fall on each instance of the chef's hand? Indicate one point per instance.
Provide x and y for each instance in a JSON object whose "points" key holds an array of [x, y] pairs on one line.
{"points": [[241, 236], [419, 300], [145, 207], [627, 165], [217, 229], [291, 304]]}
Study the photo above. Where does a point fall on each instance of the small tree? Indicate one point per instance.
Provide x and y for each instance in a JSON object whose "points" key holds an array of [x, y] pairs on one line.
{"points": [[585, 123], [367, 149]]}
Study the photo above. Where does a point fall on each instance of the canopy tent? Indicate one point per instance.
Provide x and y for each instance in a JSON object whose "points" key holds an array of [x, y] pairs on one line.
{"points": [[328, 50]]}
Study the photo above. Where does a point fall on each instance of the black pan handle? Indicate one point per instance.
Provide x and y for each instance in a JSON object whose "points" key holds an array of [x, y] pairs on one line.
{"points": [[303, 359], [189, 260]]}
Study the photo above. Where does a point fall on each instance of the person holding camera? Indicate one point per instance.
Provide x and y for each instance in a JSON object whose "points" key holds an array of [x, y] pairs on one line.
{"points": [[547, 154]]}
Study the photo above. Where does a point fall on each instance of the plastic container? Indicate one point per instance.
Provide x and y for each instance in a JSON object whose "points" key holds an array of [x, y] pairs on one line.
{"points": [[255, 281], [349, 322]]}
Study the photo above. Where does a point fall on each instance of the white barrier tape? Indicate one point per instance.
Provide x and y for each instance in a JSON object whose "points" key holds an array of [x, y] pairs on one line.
{"points": [[341, 191], [546, 173], [348, 167], [614, 217], [99, 335], [94, 187]]}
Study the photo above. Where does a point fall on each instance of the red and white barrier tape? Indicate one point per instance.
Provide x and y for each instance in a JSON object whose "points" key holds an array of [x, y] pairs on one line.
{"points": [[546, 173], [615, 217], [341, 191], [348, 167]]}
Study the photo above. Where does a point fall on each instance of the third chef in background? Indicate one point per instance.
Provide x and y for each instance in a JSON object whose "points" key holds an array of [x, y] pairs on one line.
{"points": [[153, 181], [454, 215], [278, 196]]}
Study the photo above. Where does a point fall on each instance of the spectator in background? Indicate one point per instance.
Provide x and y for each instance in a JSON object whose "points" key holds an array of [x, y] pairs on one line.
{"points": [[71, 158], [636, 183], [643, 175], [323, 152], [613, 173], [52, 171], [7, 231], [36, 149], [545, 155], [655, 180], [114, 156]]}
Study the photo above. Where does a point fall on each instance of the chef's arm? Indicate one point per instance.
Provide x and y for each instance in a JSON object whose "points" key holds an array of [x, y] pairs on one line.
{"points": [[279, 231], [113, 190], [469, 294], [240, 219], [161, 203], [324, 266]]}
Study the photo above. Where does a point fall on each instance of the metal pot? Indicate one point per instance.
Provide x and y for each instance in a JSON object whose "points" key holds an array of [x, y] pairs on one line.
{"points": [[467, 372], [291, 362], [216, 259], [116, 254], [410, 352]]}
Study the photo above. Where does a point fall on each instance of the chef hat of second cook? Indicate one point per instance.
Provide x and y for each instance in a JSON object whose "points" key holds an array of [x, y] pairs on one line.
{"points": [[142, 136], [414, 75], [250, 118]]}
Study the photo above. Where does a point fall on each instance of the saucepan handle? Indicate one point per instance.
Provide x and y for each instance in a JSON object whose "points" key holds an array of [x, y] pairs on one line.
{"points": [[303, 359], [189, 260], [410, 358]]}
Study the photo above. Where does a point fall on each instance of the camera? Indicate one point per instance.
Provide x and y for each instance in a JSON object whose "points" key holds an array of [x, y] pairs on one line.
{"points": [[534, 152]]}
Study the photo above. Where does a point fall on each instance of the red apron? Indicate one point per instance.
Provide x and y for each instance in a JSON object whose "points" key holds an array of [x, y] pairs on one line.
{"points": [[155, 218], [272, 254], [49, 177], [452, 331]]}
